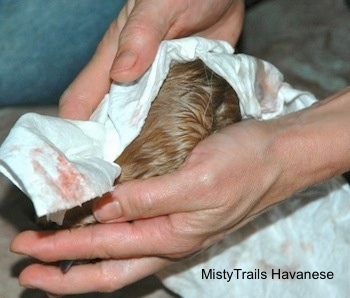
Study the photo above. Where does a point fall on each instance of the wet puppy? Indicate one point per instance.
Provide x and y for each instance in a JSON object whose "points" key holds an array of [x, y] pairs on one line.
{"points": [[193, 103]]}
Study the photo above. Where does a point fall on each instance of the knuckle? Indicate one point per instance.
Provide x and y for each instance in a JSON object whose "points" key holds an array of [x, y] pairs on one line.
{"points": [[113, 275], [184, 244], [206, 181], [107, 279], [138, 29], [184, 250], [107, 284], [140, 206]]}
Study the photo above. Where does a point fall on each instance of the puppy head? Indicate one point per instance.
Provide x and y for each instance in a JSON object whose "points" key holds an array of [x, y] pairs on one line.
{"points": [[193, 102]]}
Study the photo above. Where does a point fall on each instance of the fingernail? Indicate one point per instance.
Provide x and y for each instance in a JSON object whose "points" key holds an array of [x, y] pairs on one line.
{"points": [[124, 61], [107, 209]]}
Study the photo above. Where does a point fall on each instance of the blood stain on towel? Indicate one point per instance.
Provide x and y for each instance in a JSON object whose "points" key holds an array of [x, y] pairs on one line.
{"points": [[66, 179], [69, 179]]}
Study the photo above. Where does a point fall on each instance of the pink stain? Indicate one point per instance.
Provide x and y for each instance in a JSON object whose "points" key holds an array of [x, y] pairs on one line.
{"points": [[36, 152], [68, 181]]}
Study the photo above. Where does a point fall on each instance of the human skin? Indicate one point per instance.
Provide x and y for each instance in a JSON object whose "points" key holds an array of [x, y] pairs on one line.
{"points": [[217, 190], [230, 177], [131, 42]]}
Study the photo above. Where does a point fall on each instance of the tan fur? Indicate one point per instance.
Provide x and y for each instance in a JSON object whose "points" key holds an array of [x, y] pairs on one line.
{"points": [[192, 103]]}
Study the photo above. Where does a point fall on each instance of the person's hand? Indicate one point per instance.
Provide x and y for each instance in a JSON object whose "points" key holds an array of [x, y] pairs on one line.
{"points": [[228, 179], [131, 42], [178, 214]]}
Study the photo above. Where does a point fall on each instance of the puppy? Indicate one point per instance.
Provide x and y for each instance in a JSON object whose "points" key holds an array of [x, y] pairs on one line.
{"points": [[193, 103]]}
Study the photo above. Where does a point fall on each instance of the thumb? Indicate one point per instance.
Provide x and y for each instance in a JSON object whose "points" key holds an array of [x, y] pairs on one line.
{"points": [[155, 196], [145, 28]]}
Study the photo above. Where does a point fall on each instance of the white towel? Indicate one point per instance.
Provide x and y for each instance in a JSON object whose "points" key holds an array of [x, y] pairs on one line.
{"points": [[60, 163]]}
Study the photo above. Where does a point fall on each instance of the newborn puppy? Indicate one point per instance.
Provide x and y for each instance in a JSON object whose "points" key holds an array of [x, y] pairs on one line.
{"points": [[193, 103]]}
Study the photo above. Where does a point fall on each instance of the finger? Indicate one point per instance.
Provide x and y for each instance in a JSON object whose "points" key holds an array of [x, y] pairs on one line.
{"points": [[104, 276], [138, 46], [156, 196], [84, 243], [229, 26], [148, 23], [146, 27], [170, 238]]}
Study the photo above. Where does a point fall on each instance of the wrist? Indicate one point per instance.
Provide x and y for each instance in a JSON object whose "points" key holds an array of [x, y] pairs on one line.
{"points": [[313, 145]]}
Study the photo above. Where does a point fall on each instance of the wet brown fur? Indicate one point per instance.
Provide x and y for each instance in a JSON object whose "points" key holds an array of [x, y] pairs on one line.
{"points": [[193, 103]]}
